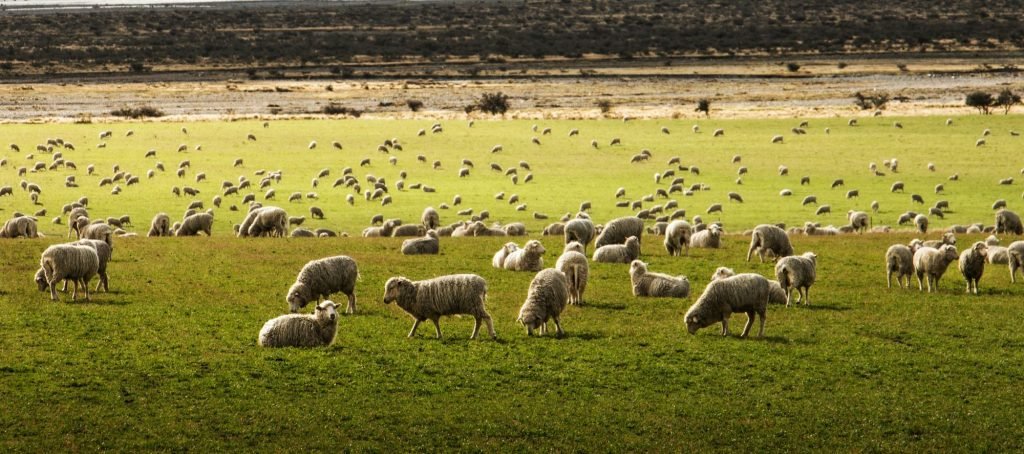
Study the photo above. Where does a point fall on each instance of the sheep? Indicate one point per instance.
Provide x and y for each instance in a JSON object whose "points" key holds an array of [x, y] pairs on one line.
{"points": [[921, 222], [555, 228], [427, 245], [192, 225], [445, 295], [573, 263], [20, 226], [430, 219], [408, 230], [797, 272], [618, 253], [580, 230], [1015, 258], [972, 265], [947, 238], [95, 231], [707, 238], [999, 204], [859, 220], [747, 293], [899, 260], [499, 257], [769, 238], [302, 330], [809, 200], [824, 209], [657, 285], [103, 253], [75, 262], [322, 277], [515, 229], [529, 258], [777, 139], [264, 221], [618, 230], [160, 225], [931, 263], [1008, 222], [677, 238], [546, 298]]}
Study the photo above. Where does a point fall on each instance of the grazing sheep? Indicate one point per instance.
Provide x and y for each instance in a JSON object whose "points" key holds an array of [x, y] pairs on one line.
{"points": [[264, 221], [101, 232], [747, 293], [824, 209], [574, 264], [972, 265], [932, 263], [499, 257], [859, 220], [797, 272], [192, 225], [677, 238], [776, 139], [430, 219], [999, 204], [545, 300], [657, 285], [809, 200], [899, 260], [75, 262], [427, 245], [555, 228], [529, 258], [580, 230], [322, 277], [103, 253], [446, 295], [1008, 222], [710, 237], [1015, 258], [618, 253], [921, 222], [302, 330], [21, 226], [618, 230], [769, 238]]}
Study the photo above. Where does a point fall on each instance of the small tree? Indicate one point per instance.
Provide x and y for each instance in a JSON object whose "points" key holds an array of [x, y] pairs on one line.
{"points": [[1006, 100], [414, 105], [866, 102], [493, 103], [704, 105], [981, 101], [605, 106]]}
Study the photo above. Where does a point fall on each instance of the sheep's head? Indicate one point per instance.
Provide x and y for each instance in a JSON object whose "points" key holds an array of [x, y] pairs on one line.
{"points": [[41, 280], [949, 251], [637, 267], [811, 256], [948, 238], [633, 242], [327, 310], [534, 247], [573, 246], [432, 234], [693, 323], [397, 288], [722, 273], [298, 296], [981, 248], [915, 244]]}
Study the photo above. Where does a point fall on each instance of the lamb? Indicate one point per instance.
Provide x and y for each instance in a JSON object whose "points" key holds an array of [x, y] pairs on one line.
{"points": [[445, 295], [1008, 222], [429, 244], [322, 277], [499, 257], [618, 230], [529, 258], [797, 272], [741, 293], [677, 238], [546, 298], [707, 238], [899, 260], [579, 230], [1015, 258], [430, 219], [658, 285], [972, 265], [769, 238], [573, 263], [619, 253], [20, 226], [931, 264], [78, 263], [103, 253], [302, 330], [192, 225]]}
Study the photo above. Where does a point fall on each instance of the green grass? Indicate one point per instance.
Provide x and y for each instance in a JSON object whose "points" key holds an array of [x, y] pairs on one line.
{"points": [[168, 360]]}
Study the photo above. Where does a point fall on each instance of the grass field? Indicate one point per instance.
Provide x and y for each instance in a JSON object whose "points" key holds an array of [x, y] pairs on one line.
{"points": [[168, 360]]}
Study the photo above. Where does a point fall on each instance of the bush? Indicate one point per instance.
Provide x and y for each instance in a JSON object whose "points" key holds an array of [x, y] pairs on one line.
{"points": [[414, 105], [137, 67], [492, 103], [792, 67], [605, 106], [704, 105], [138, 112], [337, 109], [1006, 100], [981, 101], [866, 102]]}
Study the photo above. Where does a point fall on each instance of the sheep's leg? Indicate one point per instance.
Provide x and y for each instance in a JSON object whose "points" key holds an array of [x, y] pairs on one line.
{"points": [[750, 322], [789, 295], [476, 327], [74, 291], [761, 314], [806, 299], [490, 326], [53, 290], [725, 326], [920, 285], [85, 286], [351, 304], [558, 328], [888, 279], [750, 252], [415, 324], [437, 327], [543, 328], [65, 287], [1013, 272]]}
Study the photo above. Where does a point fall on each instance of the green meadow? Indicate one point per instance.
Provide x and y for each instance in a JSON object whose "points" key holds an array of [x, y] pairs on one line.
{"points": [[168, 361]]}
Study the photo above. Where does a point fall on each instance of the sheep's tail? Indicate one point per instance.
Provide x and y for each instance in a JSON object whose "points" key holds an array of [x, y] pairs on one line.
{"points": [[47, 264], [785, 277]]}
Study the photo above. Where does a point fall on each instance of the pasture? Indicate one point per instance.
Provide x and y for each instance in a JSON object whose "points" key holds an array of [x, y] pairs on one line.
{"points": [[168, 359]]}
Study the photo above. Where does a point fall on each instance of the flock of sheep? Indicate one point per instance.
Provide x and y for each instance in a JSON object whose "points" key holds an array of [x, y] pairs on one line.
{"points": [[616, 241]]}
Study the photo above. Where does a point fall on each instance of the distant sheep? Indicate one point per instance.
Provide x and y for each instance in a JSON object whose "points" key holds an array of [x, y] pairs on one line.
{"points": [[797, 272], [931, 264], [264, 221], [429, 244], [302, 330], [430, 219], [446, 295], [618, 253], [646, 283], [1008, 222], [529, 258], [545, 300], [747, 293], [21, 226], [768, 238], [320, 278]]}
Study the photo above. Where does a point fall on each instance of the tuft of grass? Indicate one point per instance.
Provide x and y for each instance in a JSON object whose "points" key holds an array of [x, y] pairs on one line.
{"points": [[137, 112]]}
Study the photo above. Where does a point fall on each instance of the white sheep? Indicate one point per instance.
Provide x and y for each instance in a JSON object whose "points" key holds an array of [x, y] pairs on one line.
{"points": [[677, 238], [899, 260], [428, 244], [192, 225], [499, 257], [747, 293], [430, 219], [545, 300], [972, 265], [265, 221], [931, 263], [529, 258], [646, 283], [1015, 258], [322, 277], [573, 263], [797, 272], [21, 226], [446, 295], [618, 230], [302, 330], [580, 230], [710, 237], [771, 239], [77, 263], [103, 253], [618, 253]]}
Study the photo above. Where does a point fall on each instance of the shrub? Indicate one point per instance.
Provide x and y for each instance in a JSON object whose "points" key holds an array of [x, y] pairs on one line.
{"points": [[981, 101], [137, 112], [704, 105], [414, 105], [605, 106], [866, 102], [792, 67], [1006, 100], [338, 109], [493, 103]]}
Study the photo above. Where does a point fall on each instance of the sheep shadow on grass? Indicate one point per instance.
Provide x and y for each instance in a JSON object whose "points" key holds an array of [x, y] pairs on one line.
{"points": [[823, 307]]}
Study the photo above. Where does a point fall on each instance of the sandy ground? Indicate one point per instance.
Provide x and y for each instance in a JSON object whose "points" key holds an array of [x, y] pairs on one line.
{"points": [[760, 89]]}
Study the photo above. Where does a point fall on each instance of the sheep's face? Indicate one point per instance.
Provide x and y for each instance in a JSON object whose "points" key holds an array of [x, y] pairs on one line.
{"points": [[948, 238], [949, 251], [722, 273], [327, 310], [981, 249], [40, 279], [632, 242], [637, 267], [693, 323], [394, 288], [297, 297], [535, 247], [574, 246]]}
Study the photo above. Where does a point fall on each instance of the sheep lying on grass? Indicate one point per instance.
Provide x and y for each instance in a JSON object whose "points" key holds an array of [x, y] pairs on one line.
{"points": [[618, 230], [320, 278], [797, 272], [619, 253], [529, 258], [302, 330], [659, 285], [747, 293], [548, 294], [446, 295], [428, 244]]}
